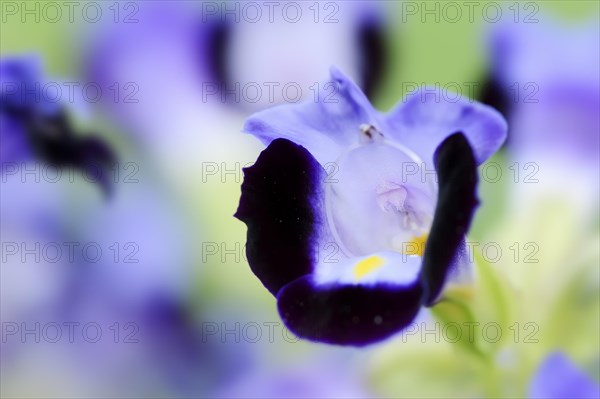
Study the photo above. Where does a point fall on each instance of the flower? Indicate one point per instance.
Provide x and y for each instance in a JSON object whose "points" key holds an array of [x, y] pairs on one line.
{"points": [[544, 78], [558, 377], [548, 72], [209, 42], [217, 56], [35, 125], [316, 377], [400, 235], [291, 55]]}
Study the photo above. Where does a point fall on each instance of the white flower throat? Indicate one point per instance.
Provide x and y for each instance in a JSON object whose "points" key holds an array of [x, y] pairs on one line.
{"points": [[379, 199]]}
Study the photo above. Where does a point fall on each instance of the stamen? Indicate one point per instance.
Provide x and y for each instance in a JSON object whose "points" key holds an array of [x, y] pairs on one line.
{"points": [[369, 134]]}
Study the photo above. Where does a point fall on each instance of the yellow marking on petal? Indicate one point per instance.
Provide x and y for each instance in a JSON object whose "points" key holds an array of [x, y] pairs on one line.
{"points": [[416, 246], [367, 266]]}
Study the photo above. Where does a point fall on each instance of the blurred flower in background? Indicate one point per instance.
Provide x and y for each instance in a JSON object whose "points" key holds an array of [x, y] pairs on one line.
{"points": [[325, 378], [283, 59], [31, 285], [547, 74], [547, 83], [16, 111], [88, 279], [557, 377], [208, 64], [33, 123]]}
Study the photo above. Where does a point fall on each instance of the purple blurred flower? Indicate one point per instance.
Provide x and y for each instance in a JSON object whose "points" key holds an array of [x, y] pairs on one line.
{"points": [[161, 337], [546, 75], [321, 377], [32, 215], [16, 106], [558, 377], [36, 126], [140, 286], [185, 58], [545, 80], [378, 210]]}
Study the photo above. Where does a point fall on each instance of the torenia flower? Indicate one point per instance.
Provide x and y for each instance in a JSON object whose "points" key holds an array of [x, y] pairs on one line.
{"points": [[35, 125], [397, 207], [219, 56], [545, 79], [224, 65]]}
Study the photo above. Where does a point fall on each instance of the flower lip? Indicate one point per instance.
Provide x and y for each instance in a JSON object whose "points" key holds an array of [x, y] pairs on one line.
{"points": [[347, 314]]}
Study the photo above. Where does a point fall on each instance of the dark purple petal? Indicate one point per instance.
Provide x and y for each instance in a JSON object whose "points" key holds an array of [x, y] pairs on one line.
{"points": [[457, 174], [214, 38], [347, 314], [55, 143], [94, 153], [374, 53], [281, 199], [494, 95], [34, 126]]}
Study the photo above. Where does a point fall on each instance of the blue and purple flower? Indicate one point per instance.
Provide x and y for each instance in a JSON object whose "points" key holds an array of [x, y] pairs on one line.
{"points": [[207, 54], [544, 79], [34, 125], [546, 83], [396, 207]]}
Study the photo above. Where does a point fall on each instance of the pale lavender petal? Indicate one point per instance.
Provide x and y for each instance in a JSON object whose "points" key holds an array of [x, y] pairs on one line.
{"points": [[324, 127], [428, 116]]}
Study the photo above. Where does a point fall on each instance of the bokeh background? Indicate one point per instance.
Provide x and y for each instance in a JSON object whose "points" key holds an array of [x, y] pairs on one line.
{"points": [[170, 308]]}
